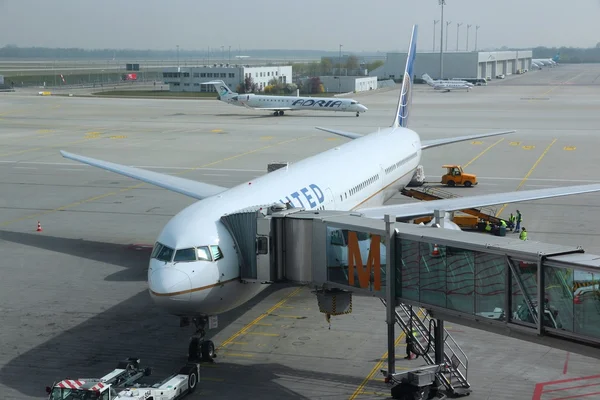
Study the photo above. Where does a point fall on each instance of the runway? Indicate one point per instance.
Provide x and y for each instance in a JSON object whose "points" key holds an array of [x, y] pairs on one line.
{"points": [[73, 298]]}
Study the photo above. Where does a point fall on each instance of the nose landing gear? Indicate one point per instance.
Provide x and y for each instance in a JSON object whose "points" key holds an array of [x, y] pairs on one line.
{"points": [[200, 349], [278, 112]]}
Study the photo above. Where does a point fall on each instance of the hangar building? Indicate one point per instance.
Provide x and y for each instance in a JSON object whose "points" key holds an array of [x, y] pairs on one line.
{"points": [[472, 64], [189, 79]]}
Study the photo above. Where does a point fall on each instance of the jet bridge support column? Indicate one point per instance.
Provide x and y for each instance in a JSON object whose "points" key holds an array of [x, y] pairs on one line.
{"points": [[390, 308], [438, 217]]}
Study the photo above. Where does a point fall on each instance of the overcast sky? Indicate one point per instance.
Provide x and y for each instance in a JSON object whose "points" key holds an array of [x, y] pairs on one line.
{"points": [[373, 25]]}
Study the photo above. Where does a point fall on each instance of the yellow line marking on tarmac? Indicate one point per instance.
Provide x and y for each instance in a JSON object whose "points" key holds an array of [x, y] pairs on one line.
{"points": [[204, 378], [477, 142], [262, 324], [12, 153], [245, 329], [569, 148], [514, 143], [359, 390], [557, 86], [263, 334], [129, 188], [482, 153], [528, 147], [240, 343], [529, 174], [266, 137], [217, 130], [288, 316], [375, 369], [226, 353]]}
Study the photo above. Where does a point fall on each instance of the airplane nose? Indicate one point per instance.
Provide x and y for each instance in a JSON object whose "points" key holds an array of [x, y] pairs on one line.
{"points": [[168, 282], [363, 108]]}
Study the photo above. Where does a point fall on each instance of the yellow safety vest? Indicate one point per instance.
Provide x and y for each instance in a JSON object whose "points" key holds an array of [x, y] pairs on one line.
{"points": [[512, 218], [523, 235], [503, 223], [488, 227]]}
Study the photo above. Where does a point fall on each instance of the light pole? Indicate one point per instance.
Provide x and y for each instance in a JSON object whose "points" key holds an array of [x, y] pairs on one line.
{"points": [[177, 57], [435, 21], [442, 3], [447, 23], [476, 29], [457, 27], [340, 70], [229, 54], [468, 26]]}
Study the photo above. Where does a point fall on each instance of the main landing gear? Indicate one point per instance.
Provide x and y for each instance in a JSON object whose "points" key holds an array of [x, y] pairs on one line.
{"points": [[276, 113], [199, 349], [357, 114]]}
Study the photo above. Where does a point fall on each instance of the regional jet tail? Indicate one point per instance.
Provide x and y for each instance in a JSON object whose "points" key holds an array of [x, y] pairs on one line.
{"points": [[547, 61], [279, 104], [447, 85], [194, 268]]}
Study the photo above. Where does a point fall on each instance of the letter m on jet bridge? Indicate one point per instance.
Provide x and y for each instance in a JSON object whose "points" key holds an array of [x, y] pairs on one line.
{"points": [[355, 263]]}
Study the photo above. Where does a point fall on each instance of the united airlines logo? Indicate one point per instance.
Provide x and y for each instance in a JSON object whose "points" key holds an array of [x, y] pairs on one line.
{"points": [[307, 197], [404, 100]]}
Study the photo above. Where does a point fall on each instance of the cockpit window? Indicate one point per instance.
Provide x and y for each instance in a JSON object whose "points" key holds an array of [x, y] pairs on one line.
{"points": [[203, 253], [216, 253], [183, 255], [354, 102], [164, 253]]}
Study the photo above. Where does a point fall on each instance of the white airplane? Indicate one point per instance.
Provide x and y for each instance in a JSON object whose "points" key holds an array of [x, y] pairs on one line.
{"points": [[547, 61], [279, 104], [447, 85], [194, 270]]}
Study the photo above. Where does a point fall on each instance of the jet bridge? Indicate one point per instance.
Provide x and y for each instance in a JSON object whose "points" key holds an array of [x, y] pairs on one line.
{"points": [[543, 293]]}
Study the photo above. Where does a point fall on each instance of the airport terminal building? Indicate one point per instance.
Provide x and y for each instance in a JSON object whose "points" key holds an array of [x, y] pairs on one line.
{"points": [[189, 79], [472, 64]]}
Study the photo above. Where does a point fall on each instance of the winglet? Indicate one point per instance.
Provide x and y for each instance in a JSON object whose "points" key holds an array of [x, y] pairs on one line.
{"points": [[401, 118]]}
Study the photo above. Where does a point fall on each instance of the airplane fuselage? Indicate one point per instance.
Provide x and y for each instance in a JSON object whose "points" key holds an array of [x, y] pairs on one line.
{"points": [[362, 173], [290, 103]]}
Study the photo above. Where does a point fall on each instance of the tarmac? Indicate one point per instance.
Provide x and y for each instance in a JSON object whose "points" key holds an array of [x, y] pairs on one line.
{"points": [[73, 298]]}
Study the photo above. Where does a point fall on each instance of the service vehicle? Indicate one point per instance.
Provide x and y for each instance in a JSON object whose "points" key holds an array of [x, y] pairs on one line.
{"points": [[122, 383], [456, 176]]}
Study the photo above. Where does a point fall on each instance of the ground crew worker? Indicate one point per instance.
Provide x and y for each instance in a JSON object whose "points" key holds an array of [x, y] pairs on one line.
{"points": [[488, 227], [411, 345], [503, 223], [511, 221], [523, 235], [519, 220]]}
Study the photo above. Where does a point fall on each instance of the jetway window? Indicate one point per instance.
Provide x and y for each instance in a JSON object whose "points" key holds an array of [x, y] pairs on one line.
{"points": [[203, 253], [262, 245], [183, 255]]}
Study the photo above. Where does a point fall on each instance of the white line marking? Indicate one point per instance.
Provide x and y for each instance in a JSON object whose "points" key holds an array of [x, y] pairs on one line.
{"points": [[24, 167], [71, 169]]}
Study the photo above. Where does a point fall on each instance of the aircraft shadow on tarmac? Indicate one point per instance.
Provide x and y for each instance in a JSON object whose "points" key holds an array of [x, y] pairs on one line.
{"points": [[136, 328], [133, 259]]}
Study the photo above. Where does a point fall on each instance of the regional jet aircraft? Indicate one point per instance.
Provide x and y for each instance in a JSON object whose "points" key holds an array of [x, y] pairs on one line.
{"points": [[279, 104], [446, 85], [194, 269]]}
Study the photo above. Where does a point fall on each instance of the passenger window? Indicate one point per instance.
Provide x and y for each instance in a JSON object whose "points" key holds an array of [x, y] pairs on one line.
{"points": [[165, 254], [216, 253], [185, 255], [203, 253]]}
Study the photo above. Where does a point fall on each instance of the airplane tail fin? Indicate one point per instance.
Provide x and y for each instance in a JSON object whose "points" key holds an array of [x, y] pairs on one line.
{"points": [[221, 88], [427, 79], [401, 118], [556, 58]]}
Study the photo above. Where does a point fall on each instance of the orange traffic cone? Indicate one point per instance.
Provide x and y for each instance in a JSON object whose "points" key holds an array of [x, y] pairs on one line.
{"points": [[436, 251], [39, 228]]}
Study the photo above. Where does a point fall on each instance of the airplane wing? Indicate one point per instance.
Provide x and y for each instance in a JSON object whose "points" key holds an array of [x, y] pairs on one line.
{"points": [[195, 189], [428, 144], [349, 135], [424, 208]]}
